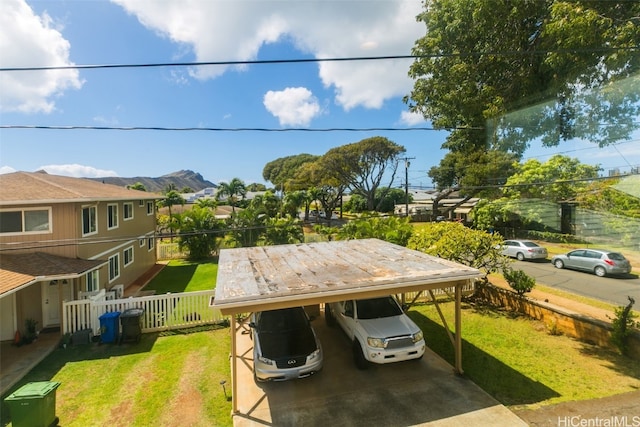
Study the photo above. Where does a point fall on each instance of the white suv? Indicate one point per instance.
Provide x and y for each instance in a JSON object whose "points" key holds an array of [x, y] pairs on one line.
{"points": [[379, 330]]}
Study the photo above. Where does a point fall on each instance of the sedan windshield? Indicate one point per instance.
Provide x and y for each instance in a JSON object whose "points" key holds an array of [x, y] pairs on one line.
{"points": [[378, 307]]}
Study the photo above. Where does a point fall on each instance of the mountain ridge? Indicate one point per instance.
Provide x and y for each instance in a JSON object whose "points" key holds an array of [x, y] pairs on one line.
{"points": [[180, 179]]}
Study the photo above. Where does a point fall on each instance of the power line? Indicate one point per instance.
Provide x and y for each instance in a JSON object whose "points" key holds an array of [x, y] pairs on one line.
{"points": [[316, 60], [210, 129]]}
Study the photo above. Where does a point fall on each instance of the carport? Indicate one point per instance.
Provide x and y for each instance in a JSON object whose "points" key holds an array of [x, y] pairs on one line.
{"points": [[272, 277]]}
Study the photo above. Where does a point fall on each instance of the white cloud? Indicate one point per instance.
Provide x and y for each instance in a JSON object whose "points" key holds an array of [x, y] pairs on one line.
{"points": [[411, 119], [294, 106], [30, 40], [6, 169], [78, 171], [236, 30]]}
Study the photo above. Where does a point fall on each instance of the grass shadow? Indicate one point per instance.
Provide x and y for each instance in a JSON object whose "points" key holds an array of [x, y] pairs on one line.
{"points": [[501, 381], [615, 361]]}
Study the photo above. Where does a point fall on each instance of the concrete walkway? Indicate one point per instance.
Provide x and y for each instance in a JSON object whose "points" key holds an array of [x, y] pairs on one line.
{"points": [[416, 393]]}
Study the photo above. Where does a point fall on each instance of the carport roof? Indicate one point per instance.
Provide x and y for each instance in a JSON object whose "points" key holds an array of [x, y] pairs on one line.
{"points": [[271, 277]]}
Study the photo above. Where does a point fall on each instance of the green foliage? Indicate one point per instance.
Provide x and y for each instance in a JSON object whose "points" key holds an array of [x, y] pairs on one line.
{"points": [[200, 232], [602, 196], [268, 204], [622, 325], [282, 172], [519, 281], [245, 228], [356, 203], [280, 231], [137, 186], [391, 229], [455, 242], [478, 94], [559, 178]]}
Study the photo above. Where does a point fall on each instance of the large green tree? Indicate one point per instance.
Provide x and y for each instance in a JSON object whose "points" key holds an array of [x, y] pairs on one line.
{"points": [[361, 166], [480, 63], [282, 172]]}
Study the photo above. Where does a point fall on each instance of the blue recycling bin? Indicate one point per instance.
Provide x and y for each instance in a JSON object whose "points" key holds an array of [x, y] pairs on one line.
{"points": [[109, 327]]}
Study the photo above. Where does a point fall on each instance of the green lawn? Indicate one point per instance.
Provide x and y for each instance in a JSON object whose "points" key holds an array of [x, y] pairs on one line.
{"points": [[177, 374], [518, 362]]}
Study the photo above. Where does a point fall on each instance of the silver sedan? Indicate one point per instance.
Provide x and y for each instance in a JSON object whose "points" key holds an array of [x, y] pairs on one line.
{"points": [[523, 249]]}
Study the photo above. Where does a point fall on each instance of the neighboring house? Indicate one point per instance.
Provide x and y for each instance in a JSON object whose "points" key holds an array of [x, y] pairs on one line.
{"points": [[61, 237], [457, 208]]}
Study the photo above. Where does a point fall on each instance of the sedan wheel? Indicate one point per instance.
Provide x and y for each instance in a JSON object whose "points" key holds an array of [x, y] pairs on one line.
{"points": [[520, 256], [558, 264], [600, 271]]}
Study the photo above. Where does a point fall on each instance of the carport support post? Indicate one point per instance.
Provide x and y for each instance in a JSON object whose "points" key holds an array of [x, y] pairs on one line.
{"points": [[234, 368], [458, 337]]}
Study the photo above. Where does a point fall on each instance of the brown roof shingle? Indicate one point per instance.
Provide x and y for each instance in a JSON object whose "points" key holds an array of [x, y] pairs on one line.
{"points": [[17, 270], [41, 187]]}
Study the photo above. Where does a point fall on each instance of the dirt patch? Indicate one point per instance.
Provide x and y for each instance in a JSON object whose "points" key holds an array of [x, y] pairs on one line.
{"points": [[188, 400]]}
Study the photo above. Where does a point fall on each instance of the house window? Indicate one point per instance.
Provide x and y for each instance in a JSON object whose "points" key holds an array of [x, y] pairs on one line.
{"points": [[127, 209], [89, 220], [150, 243], [26, 221], [128, 256], [114, 267], [149, 208], [112, 216], [140, 203], [92, 281], [141, 242]]}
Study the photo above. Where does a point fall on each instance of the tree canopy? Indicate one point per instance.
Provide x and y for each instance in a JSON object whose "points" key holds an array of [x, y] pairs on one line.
{"points": [[572, 64], [282, 172], [361, 166]]}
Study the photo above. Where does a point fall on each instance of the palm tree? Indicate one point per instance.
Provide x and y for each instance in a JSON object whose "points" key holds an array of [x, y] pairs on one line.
{"points": [[172, 198], [231, 191]]}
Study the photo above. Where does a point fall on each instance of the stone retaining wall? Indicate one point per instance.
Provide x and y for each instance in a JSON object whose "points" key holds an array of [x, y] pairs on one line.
{"points": [[558, 319]]}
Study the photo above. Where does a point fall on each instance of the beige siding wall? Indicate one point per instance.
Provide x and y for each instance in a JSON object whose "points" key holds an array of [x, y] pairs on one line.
{"points": [[132, 233], [63, 227], [66, 231]]}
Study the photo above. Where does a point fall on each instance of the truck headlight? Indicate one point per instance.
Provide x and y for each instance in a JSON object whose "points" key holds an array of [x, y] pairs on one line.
{"points": [[376, 342], [417, 336]]}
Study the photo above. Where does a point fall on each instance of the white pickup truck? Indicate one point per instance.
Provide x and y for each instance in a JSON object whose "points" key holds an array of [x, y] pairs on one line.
{"points": [[379, 330]]}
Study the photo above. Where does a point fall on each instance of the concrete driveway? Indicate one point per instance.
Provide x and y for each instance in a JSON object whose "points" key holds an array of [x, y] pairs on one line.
{"points": [[425, 392]]}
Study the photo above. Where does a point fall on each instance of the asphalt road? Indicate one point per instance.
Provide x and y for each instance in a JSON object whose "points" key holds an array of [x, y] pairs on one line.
{"points": [[609, 289]]}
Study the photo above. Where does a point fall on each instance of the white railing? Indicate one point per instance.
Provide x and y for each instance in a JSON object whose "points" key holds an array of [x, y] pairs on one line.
{"points": [[161, 312]]}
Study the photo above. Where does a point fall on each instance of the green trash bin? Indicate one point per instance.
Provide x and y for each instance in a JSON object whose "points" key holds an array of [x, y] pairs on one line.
{"points": [[33, 405]]}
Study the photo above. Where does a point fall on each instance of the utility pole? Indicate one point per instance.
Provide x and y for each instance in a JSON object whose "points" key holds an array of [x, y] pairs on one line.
{"points": [[407, 163]]}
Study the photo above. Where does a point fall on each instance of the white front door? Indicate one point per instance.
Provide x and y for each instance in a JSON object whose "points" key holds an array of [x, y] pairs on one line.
{"points": [[51, 302]]}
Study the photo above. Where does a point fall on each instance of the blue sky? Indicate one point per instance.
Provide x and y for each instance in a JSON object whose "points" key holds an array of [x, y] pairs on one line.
{"points": [[306, 95]]}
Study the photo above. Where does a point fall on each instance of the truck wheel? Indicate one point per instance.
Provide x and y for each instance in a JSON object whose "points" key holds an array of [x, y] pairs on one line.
{"points": [[358, 356]]}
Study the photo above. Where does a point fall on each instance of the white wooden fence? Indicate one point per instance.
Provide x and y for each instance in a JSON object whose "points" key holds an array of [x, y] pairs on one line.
{"points": [[171, 311], [161, 312]]}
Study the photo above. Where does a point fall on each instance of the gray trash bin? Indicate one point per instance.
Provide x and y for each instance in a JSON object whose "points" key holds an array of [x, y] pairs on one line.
{"points": [[131, 324]]}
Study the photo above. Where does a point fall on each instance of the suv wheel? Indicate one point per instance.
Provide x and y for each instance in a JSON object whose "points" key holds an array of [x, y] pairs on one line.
{"points": [[358, 356]]}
